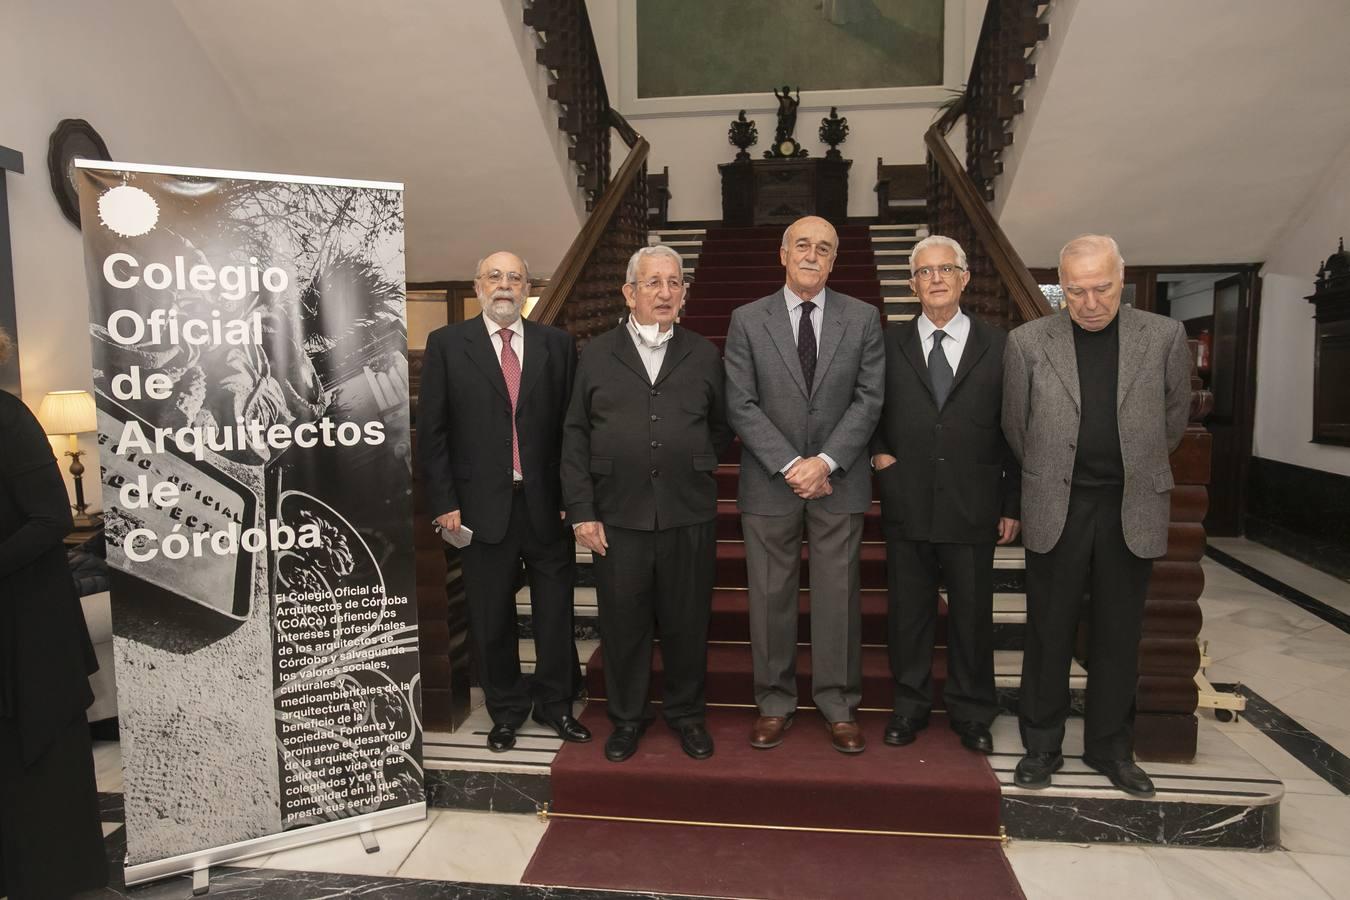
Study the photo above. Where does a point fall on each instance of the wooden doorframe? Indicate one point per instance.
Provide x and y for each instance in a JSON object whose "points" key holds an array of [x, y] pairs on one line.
{"points": [[1145, 277]]}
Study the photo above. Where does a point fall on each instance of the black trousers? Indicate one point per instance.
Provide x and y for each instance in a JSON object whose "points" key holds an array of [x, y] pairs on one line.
{"points": [[915, 569], [1090, 571], [51, 843], [656, 583], [491, 573]]}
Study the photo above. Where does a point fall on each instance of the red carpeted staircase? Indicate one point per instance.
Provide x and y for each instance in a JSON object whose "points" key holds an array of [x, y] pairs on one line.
{"points": [[801, 820]]}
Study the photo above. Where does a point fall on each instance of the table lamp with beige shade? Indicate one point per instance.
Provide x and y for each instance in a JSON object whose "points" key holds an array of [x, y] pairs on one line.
{"points": [[71, 413]]}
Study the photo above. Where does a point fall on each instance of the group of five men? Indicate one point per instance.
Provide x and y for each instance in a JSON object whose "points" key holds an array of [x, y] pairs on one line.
{"points": [[1060, 430]]}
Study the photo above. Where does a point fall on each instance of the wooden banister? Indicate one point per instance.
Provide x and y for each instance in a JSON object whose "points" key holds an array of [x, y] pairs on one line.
{"points": [[624, 191], [1019, 286]]}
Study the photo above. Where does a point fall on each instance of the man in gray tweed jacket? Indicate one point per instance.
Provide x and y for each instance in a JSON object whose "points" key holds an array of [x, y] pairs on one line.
{"points": [[1094, 401]]}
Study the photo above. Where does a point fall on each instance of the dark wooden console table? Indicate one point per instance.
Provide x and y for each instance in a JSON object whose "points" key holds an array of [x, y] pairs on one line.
{"points": [[780, 191]]}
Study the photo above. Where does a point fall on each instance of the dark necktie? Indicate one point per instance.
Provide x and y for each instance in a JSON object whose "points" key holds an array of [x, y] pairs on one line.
{"points": [[939, 370], [806, 345]]}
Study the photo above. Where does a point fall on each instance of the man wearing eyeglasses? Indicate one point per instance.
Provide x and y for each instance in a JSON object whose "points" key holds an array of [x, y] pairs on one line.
{"points": [[949, 491], [1096, 398], [489, 434], [643, 434], [805, 367]]}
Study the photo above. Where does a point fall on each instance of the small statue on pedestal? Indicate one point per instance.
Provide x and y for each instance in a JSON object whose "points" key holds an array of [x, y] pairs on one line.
{"points": [[784, 145], [742, 135], [833, 131]]}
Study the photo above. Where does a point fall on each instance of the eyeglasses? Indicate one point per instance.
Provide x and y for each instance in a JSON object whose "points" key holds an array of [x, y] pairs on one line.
{"points": [[654, 284], [497, 276], [927, 273]]}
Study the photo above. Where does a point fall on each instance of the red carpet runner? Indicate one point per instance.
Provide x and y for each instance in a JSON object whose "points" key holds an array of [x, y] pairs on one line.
{"points": [[919, 822]]}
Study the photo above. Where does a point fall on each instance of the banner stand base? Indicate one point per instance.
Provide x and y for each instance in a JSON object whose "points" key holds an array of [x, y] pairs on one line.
{"points": [[199, 864]]}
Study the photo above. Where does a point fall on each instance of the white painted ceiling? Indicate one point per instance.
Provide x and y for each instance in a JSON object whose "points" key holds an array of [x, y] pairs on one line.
{"points": [[1192, 131], [441, 95]]}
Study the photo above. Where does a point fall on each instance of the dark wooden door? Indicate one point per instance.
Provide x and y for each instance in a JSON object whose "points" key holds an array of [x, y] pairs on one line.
{"points": [[1227, 424]]}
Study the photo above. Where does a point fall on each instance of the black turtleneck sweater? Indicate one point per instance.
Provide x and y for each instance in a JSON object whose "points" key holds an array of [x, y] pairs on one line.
{"points": [[1098, 459]]}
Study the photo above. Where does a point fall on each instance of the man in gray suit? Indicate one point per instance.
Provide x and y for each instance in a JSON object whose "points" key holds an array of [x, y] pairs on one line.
{"points": [[1094, 401], [805, 368]]}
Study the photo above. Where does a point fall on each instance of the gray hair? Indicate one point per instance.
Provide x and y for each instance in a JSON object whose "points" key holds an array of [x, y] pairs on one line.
{"points": [[6, 346], [938, 240], [524, 262], [652, 251], [1086, 244]]}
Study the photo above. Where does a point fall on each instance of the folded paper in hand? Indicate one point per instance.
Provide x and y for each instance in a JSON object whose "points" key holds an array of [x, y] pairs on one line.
{"points": [[458, 538]]}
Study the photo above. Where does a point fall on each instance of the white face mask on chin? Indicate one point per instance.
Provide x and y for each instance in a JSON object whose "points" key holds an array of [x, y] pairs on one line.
{"points": [[651, 335]]}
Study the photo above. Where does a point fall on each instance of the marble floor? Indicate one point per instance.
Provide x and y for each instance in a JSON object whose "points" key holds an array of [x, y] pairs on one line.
{"points": [[1294, 662]]}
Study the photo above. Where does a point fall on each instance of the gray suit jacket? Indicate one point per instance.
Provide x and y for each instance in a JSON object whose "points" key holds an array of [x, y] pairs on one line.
{"points": [[778, 418], [1041, 415]]}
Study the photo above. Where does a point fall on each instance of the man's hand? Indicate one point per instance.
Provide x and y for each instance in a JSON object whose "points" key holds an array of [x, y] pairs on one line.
{"points": [[450, 521], [1007, 530], [591, 535], [882, 461], [810, 478]]}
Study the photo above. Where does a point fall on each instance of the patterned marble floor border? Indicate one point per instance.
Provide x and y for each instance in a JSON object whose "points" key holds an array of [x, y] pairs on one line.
{"points": [[1330, 764], [1277, 587]]}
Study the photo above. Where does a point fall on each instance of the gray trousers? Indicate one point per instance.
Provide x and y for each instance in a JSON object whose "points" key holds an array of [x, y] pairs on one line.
{"points": [[773, 560]]}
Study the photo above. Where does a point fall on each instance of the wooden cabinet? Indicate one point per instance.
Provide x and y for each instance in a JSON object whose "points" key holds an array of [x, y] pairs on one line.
{"points": [[780, 191]]}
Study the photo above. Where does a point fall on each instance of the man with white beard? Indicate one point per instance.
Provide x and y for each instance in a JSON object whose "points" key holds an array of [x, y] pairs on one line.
{"points": [[489, 435]]}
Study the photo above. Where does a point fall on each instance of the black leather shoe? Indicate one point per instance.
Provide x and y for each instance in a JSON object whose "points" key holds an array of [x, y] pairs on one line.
{"points": [[902, 730], [695, 741], [1124, 774], [501, 738], [566, 727], [1035, 769], [975, 736], [623, 743]]}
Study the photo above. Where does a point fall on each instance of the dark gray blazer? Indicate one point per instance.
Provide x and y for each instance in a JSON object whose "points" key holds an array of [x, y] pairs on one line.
{"points": [[1041, 404], [778, 418]]}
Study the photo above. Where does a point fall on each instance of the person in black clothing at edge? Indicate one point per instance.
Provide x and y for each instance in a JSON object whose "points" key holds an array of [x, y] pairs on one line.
{"points": [[51, 843]]}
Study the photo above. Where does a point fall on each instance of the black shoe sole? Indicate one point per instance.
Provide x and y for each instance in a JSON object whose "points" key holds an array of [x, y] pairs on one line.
{"points": [[896, 740], [618, 759], [692, 755], [1042, 783]]}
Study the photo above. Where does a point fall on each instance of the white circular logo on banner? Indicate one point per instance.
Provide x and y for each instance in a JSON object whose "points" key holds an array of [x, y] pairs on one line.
{"points": [[127, 210]]}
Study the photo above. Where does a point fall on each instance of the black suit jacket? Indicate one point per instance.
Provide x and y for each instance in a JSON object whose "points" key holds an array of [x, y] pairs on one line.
{"points": [[464, 426], [638, 454], [954, 476]]}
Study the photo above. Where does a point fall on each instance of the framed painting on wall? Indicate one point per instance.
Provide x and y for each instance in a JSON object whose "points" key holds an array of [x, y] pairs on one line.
{"points": [[696, 56]]}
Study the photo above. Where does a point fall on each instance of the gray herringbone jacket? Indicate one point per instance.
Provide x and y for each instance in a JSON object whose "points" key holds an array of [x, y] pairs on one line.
{"points": [[1041, 414]]}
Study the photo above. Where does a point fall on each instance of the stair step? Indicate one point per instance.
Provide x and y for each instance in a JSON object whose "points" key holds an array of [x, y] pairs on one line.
{"points": [[730, 679]]}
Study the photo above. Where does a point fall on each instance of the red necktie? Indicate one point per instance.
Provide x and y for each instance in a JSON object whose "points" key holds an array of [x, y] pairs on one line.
{"points": [[511, 372]]}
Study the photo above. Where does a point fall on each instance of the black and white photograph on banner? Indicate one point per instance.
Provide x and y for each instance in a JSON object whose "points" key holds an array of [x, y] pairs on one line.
{"points": [[250, 370]]}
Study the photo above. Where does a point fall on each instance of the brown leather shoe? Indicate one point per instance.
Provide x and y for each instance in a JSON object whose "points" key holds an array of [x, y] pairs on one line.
{"points": [[847, 737], [768, 731]]}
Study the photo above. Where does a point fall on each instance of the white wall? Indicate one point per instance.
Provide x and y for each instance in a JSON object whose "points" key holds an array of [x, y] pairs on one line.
{"points": [[693, 145], [1284, 384], [1191, 299], [140, 79]]}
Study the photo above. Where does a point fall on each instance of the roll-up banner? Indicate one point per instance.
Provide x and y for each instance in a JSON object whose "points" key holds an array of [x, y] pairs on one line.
{"points": [[250, 362]]}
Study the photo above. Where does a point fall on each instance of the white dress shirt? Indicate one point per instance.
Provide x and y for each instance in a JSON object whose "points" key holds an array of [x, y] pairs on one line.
{"points": [[652, 357], [517, 342], [794, 308], [957, 331]]}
